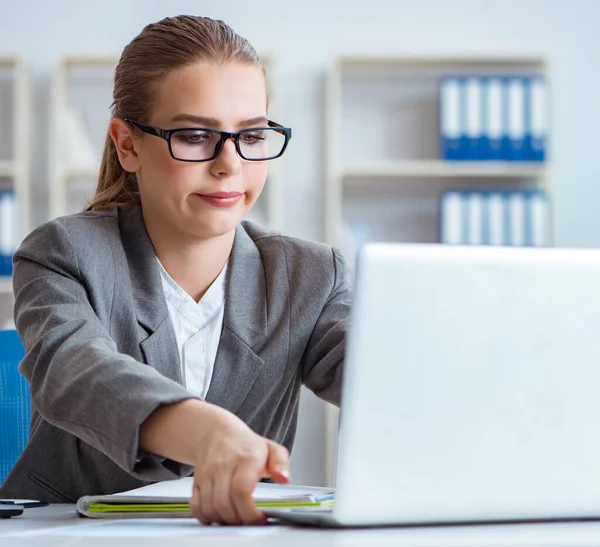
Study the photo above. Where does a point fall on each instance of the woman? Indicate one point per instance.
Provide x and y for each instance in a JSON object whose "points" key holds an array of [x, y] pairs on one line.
{"points": [[164, 336]]}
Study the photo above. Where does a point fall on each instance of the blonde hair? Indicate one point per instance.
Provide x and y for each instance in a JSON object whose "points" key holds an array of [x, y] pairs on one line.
{"points": [[161, 47]]}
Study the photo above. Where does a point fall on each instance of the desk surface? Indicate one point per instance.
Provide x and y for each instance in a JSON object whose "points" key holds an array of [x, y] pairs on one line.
{"points": [[58, 526]]}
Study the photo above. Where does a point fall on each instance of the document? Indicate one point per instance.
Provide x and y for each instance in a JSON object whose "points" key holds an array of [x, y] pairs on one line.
{"points": [[171, 499]]}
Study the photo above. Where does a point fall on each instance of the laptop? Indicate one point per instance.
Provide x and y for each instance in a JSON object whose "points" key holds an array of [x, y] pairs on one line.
{"points": [[471, 388]]}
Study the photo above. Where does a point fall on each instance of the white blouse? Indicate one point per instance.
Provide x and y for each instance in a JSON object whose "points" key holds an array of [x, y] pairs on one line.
{"points": [[197, 329]]}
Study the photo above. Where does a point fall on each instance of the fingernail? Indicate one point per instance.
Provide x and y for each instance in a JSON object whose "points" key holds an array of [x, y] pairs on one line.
{"points": [[284, 472]]}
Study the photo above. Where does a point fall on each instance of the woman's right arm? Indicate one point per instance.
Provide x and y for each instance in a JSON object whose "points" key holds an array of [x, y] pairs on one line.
{"points": [[79, 380], [229, 458], [143, 421]]}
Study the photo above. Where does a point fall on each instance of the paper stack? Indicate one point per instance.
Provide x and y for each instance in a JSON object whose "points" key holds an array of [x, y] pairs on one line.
{"points": [[171, 499]]}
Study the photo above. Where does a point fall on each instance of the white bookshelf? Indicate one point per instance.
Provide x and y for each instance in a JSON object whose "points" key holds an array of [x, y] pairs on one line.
{"points": [[14, 154], [80, 86], [83, 84], [5, 285], [269, 209], [382, 160], [368, 96], [7, 168]]}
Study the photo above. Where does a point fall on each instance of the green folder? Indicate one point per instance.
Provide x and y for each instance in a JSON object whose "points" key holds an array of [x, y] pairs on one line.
{"points": [[123, 506]]}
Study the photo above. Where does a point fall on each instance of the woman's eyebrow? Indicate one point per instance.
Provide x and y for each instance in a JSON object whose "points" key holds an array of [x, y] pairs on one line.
{"points": [[204, 121], [259, 121]]}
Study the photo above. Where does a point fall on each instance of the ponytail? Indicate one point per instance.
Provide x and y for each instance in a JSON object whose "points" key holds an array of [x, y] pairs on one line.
{"points": [[116, 187]]}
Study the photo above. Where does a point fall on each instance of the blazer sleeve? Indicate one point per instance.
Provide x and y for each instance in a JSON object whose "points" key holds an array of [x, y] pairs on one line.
{"points": [[322, 362], [79, 381]]}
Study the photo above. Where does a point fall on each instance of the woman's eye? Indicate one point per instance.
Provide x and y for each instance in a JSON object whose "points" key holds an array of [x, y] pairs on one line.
{"points": [[253, 138], [192, 137]]}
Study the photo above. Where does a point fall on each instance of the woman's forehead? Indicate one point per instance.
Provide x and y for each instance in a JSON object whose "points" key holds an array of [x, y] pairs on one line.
{"points": [[230, 93]]}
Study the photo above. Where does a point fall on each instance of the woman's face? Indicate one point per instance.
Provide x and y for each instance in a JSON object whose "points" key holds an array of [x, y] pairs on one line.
{"points": [[206, 199]]}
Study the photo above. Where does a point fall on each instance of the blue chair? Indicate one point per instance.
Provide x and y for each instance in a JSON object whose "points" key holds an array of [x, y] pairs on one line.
{"points": [[15, 402]]}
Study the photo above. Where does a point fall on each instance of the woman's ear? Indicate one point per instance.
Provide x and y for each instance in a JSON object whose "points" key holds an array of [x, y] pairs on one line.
{"points": [[126, 144]]}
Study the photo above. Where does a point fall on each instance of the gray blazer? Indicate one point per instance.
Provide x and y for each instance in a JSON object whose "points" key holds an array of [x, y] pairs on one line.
{"points": [[101, 353]]}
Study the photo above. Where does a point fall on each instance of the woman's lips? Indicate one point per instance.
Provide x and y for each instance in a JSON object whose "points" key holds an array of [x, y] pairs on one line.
{"points": [[222, 199]]}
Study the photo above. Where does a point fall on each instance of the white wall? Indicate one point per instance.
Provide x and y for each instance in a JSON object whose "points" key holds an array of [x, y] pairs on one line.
{"points": [[304, 37]]}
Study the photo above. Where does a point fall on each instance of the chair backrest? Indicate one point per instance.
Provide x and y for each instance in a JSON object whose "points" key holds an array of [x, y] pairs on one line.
{"points": [[15, 402]]}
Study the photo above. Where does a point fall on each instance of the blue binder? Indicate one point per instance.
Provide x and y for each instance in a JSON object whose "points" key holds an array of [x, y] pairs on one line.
{"points": [[451, 118], [516, 111], [473, 116], [517, 213], [539, 211], [8, 235], [5, 265], [538, 119], [499, 118], [475, 218], [497, 217], [451, 221], [494, 127]]}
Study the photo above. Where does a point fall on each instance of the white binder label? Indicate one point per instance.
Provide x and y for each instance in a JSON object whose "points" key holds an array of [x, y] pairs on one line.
{"points": [[452, 219], [516, 109], [539, 220], [517, 219], [475, 219], [7, 224], [473, 100], [494, 109], [538, 109], [450, 94], [496, 219]]}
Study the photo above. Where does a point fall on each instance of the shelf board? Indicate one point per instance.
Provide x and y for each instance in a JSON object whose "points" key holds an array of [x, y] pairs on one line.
{"points": [[6, 284], [441, 61], [81, 173], [90, 60], [444, 169], [8, 61]]}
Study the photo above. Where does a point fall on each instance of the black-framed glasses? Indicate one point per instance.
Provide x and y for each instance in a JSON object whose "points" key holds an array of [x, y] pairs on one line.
{"points": [[204, 144]]}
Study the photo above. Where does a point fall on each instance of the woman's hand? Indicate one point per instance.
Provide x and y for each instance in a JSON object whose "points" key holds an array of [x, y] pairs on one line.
{"points": [[228, 464], [229, 458]]}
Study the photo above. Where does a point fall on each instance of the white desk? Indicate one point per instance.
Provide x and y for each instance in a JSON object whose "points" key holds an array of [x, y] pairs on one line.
{"points": [[58, 526]]}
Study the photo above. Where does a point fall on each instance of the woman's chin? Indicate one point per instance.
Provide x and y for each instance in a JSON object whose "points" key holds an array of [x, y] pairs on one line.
{"points": [[214, 227]]}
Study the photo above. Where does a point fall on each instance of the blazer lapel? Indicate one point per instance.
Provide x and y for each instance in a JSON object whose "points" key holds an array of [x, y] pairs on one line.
{"points": [[244, 326], [160, 351], [160, 347]]}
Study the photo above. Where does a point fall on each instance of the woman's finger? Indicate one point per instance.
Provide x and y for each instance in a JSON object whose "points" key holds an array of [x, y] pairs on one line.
{"points": [[222, 499], [207, 510], [278, 463], [242, 486], [196, 504]]}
